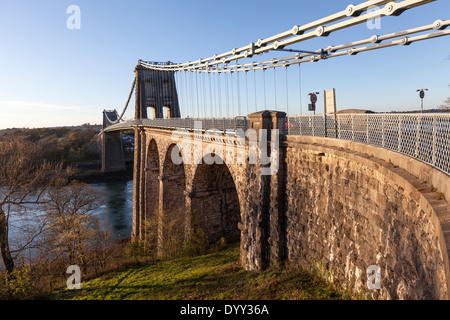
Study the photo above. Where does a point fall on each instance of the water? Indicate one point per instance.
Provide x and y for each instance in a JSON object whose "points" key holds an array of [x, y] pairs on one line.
{"points": [[117, 211]]}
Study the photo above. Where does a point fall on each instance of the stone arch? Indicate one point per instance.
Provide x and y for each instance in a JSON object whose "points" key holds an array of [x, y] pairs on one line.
{"points": [[152, 186], [173, 182], [214, 199], [172, 218]]}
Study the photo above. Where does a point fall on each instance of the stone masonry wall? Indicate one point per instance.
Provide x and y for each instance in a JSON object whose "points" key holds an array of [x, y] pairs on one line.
{"points": [[347, 211], [340, 205]]}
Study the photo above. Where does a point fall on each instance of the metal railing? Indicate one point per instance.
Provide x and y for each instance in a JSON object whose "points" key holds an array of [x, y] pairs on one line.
{"points": [[425, 137], [217, 124], [421, 136]]}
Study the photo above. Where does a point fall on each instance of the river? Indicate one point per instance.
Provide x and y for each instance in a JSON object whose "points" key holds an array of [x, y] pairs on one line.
{"points": [[117, 211]]}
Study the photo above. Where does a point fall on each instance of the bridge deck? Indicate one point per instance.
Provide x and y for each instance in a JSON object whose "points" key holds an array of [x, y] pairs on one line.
{"points": [[421, 136]]}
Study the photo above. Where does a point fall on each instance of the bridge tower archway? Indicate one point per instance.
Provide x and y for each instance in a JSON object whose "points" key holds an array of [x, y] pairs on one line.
{"points": [[167, 112], [152, 114]]}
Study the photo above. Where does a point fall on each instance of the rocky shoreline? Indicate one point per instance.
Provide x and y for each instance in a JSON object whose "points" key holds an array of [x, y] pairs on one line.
{"points": [[90, 172]]}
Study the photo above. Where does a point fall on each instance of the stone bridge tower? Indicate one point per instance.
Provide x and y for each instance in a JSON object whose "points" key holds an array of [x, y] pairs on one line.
{"points": [[156, 90], [113, 158]]}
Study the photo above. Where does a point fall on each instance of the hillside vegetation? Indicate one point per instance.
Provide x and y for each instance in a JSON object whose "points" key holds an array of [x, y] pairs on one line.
{"points": [[212, 276], [67, 144]]}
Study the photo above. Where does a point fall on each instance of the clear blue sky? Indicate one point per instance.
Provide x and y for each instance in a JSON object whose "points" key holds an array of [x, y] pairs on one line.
{"points": [[50, 75]]}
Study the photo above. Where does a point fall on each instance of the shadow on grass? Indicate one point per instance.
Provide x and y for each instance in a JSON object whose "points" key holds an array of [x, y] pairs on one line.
{"points": [[215, 276]]}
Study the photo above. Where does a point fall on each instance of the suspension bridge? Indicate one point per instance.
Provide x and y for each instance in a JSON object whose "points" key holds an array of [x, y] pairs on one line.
{"points": [[351, 189]]}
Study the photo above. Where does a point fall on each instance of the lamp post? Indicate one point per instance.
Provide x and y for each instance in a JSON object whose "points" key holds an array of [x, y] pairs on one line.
{"points": [[421, 95]]}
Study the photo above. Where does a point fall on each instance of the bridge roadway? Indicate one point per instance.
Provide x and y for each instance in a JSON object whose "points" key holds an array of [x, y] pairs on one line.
{"points": [[220, 124], [423, 136]]}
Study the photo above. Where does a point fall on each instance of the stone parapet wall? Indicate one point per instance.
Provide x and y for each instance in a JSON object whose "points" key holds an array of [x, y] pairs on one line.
{"points": [[348, 209]]}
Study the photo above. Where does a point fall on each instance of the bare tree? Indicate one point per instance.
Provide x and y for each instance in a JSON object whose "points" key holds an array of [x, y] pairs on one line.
{"points": [[23, 181], [446, 105], [170, 234], [73, 231]]}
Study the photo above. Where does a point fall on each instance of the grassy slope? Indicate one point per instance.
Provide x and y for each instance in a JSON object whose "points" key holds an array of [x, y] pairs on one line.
{"points": [[213, 276]]}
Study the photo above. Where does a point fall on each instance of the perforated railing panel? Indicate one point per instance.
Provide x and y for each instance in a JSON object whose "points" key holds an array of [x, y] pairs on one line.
{"points": [[424, 137]]}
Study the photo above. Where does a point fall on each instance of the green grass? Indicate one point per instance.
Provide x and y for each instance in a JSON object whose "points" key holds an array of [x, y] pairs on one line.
{"points": [[214, 276]]}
